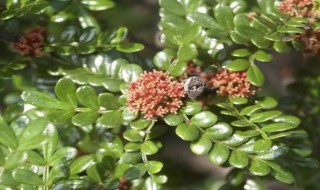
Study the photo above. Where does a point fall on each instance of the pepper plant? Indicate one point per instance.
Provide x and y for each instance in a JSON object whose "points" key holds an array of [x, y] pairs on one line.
{"points": [[83, 108]]}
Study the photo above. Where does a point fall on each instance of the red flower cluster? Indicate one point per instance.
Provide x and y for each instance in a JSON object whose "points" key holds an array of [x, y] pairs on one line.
{"points": [[32, 42], [155, 94], [232, 84], [193, 70], [311, 40], [297, 8], [124, 184]]}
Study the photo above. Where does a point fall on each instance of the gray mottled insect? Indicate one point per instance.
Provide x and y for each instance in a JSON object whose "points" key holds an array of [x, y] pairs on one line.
{"points": [[193, 86]]}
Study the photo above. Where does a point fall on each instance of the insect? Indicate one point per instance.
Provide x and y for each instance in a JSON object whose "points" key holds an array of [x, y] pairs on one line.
{"points": [[193, 86]]}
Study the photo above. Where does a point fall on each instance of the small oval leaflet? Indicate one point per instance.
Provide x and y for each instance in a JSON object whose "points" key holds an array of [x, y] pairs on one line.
{"points": [[193, 86]]}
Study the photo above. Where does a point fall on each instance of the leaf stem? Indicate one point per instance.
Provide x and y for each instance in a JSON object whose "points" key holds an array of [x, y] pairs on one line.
{"points": [[147, 131], [252, 125], [45, 177]]}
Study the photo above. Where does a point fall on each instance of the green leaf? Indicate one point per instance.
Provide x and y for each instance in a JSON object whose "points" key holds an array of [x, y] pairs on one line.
{"points": [[264, 22], [149, 148], [35, 158], [238, 100], [248, 32], [33, 135], [160, 179], [129, 115], [130, 72], [262, 56], [204, 119], [259, 168], [112, 85], [236, 139], [202, 19], [2, 159], [220, 130], [43, 100], [154, 167], [238, 159], [111, 119], [288, 119], [191, 108], [248, 133], [12, 112], [177, 68], [241, 19], [224, 16], [238, 65], [267, 103], [15, 159], [276, 127], [255, 76], [26, 177], [181, 35], [85, 118], [52, 142], [86, 20], [108, 162], [273, 152], [281, 174], [187, 52], [132, 147], [96, 172], [58, 173], [237, 38], [261, 145], [173, 119], [261, 43], [157, 131], [7, 179], [201, 146], [290, 30], [299, 20], [241, 123], [121, 34], [264, 116], [130, 158], [113, 69], [98, 5], [88, 35], [87, 97], [60, 117], [66, 91], [134, 173], [111, 183], [133, 135], [130, 48], [219, 154], [241, 53], [140, 124], [162, 60], [187, 132], [173, 7], [7, 136], [281, 46], [62, 156], [81, 164], [285, 134]]}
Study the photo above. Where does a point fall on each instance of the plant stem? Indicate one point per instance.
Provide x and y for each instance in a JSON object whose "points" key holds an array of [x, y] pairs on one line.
{"points": [[147, 131], [45, 178]]}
